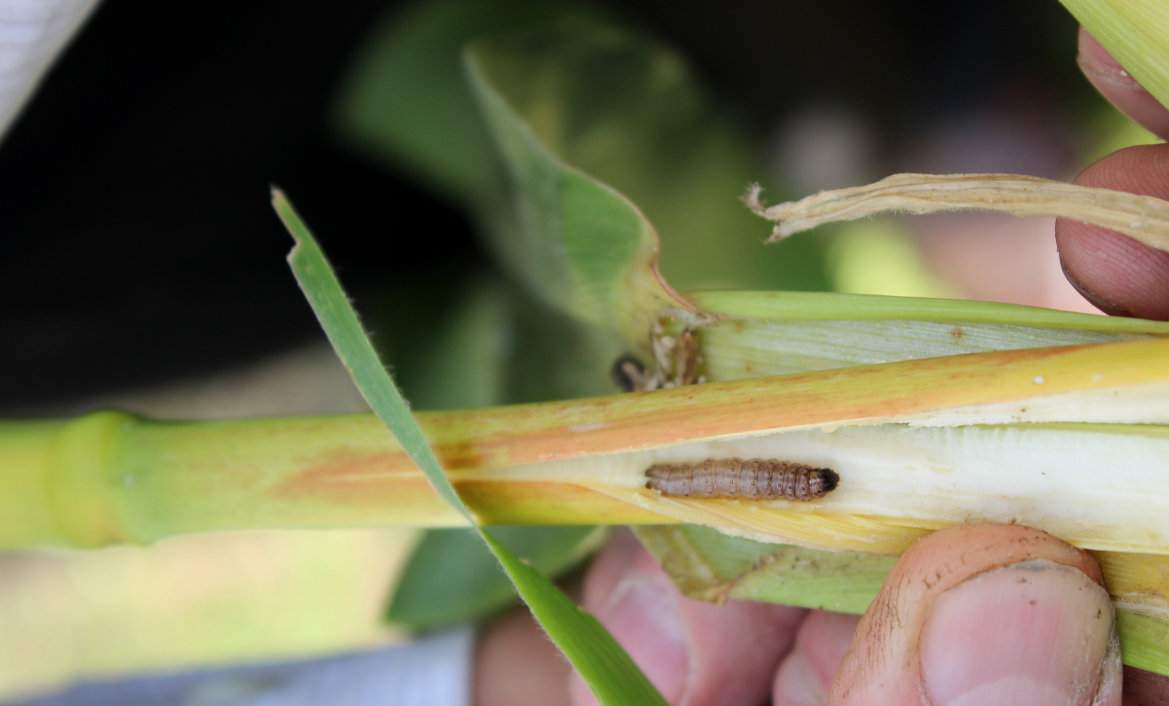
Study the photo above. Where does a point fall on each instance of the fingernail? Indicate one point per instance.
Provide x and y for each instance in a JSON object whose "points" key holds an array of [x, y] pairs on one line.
{"points": [[1036, 632], [798, 684], [1095, 61], [1103, 303], [641, 614]]}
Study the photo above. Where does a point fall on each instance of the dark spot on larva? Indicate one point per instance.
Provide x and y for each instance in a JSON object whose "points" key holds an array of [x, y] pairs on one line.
{"points": [[627, 373], [1032, 602]]}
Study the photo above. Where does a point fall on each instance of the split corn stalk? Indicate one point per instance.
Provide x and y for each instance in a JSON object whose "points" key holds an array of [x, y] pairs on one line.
{"points": [[1072, 439], [932, 414]]}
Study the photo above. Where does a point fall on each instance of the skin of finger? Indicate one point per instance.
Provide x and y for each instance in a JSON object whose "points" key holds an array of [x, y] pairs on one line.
{"points": [[1114, 83], [513, 644], [516, 664], [734, 648], [1115, 272], [883, 665], [806, 673], [1143, 688]]}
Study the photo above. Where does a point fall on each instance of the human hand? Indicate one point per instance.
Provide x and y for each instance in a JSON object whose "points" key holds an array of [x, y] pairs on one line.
{"points": [[994, 614], [988, 614]]}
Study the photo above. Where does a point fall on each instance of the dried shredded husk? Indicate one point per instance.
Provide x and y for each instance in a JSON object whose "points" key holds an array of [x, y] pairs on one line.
{"points": [[1144, 218]]}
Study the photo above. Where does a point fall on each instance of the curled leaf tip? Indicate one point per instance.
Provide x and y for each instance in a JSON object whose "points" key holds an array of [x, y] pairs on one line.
{"points": [[753, 199], [288, 216]]}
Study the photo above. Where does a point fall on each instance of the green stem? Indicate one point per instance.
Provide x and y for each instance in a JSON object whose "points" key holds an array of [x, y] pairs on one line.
{"points": [[110, 477]]}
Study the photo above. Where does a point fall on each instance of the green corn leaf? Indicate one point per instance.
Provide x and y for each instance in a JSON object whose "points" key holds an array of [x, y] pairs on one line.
{"points": [[405, 97], [577, 122], [577, 98], [601, 662], [709, 565], [576, 241]]}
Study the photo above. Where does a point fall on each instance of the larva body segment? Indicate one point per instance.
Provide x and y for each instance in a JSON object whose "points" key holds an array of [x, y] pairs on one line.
{"points": [[750, 478]]}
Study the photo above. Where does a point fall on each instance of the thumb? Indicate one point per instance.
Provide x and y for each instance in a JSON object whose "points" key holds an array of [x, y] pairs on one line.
{"points": [[986, 614]]}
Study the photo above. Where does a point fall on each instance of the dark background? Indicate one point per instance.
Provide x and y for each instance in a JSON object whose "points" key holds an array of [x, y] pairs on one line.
{"points": [[137, 240]]}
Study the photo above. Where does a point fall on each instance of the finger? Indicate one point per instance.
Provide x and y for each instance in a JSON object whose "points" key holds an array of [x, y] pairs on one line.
{"points": [[1119, 87], [512, 645], [987, 614], [1113, 271], [695, 653], [806, 673], [1143, 688]]}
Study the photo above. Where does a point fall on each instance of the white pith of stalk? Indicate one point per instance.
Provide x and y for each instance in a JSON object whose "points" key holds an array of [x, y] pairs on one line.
{"points": [[1095, 486]]}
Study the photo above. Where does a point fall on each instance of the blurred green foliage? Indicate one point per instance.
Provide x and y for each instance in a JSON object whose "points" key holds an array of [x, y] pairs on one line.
{"points": [[433, 590]]}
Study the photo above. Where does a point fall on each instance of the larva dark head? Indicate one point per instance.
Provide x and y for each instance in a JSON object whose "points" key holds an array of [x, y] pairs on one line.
{"points": [[829, 478], [627, 373]]}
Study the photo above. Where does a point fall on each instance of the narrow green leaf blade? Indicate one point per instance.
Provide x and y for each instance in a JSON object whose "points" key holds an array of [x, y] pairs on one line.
{"points": [[601, 662], [778, 333], [480, 343], [821, 306], [452, 578], [353, 347], [604, 665]]}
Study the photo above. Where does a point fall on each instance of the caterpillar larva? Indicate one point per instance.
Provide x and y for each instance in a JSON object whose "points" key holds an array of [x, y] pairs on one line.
{"points": [[753, 478]]}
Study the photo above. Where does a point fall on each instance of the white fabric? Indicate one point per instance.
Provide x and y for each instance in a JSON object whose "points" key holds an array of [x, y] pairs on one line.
{"points": [[433, 671], [32, 34]]}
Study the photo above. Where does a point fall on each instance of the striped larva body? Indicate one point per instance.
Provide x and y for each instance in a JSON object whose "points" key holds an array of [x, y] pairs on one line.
{"points": [[748, 478]]}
